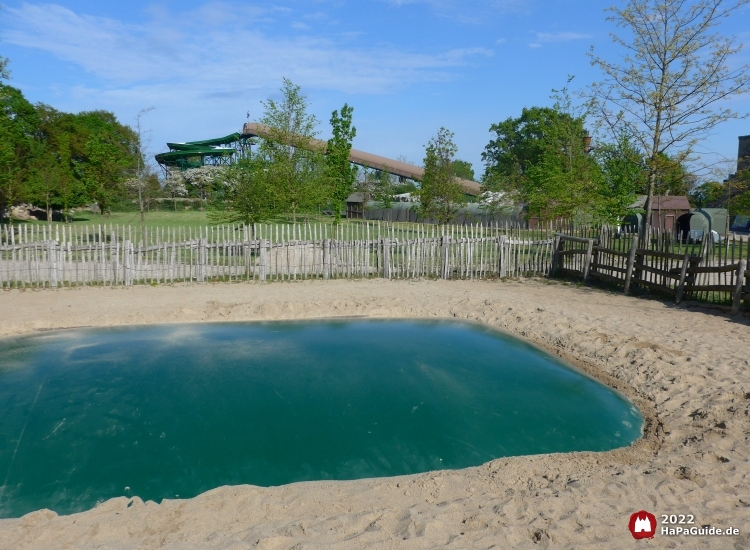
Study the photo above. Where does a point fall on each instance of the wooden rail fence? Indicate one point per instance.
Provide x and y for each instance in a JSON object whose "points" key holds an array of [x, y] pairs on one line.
{"points": [[624, 262]]}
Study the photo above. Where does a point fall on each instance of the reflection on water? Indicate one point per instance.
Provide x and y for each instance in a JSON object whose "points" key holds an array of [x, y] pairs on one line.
{"points": [[175, 410]]}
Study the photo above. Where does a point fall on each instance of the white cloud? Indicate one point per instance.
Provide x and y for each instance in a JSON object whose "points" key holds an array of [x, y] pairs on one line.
{"points": [[535, 45], [199, 56], [301, 26], [204, 73], [501, 41]]}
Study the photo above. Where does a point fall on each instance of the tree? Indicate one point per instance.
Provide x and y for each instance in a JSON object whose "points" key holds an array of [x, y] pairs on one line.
{"points": [[139, 182], [738, 193], [519, 144], [379, 186], [10, 188], [103, 172], [19, 127], [439, 193], [295, 168], [342, 175], [539, 160], [175, 185], [707, 195], [672, 177], [44, 183], [676, 71], [623, 176], [201, 182], [101, 155], [57, 132], [463, 169], [246, 193]]}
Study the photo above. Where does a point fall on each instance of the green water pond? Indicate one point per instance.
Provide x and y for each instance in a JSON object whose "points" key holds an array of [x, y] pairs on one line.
{"points": [[171, 411]]}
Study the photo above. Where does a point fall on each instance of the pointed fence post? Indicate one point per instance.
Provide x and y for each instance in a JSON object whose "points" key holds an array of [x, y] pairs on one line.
{"points": [[587, 260], [739, 283], [502, 270], [201, 267], [263, 259], [386, 258], [52, 262], [683, 274], [631, 262], [446, 256], [594, 258], [556, 257], [127, 264], [326, 258]]}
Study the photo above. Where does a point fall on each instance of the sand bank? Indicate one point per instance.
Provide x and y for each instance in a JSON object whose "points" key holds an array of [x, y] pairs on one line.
{"points": [[688, 369]]}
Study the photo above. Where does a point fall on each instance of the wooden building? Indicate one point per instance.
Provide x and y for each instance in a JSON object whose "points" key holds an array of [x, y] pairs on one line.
{"points": [[665, 210], [355, 206]]}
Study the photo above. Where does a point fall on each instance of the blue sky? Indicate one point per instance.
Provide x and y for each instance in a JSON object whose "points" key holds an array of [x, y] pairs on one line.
{"points": [[407, 67]]}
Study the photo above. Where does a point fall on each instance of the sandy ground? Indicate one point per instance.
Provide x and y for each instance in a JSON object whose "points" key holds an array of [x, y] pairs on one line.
{"points": [[686, 368]]}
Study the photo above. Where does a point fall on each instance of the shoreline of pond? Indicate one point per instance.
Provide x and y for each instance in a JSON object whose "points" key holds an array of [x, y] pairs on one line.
{"points": [[664, 359]]}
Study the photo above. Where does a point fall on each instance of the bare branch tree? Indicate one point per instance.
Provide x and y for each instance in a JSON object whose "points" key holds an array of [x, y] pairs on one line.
{"points": [[139, 182], [669, 89]]}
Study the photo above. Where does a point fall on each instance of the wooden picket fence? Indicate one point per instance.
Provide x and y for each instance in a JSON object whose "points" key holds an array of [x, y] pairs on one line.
{"points": [[37, 256], [40, 256], [699, 271]]}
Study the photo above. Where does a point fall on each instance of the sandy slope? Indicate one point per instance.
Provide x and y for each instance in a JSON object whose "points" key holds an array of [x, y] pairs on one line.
{"points": [[687, 369]]}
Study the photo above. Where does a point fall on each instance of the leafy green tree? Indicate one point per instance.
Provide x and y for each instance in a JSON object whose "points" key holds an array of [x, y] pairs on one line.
{"points": [[520, 144], [103, 172], [59, 160], [342, 175], [669, 90], [295, 167], [19, 128], [10, 184], [707, 195], [672, 177], [440, 194], [70, 191], [245, 193], [623, 176], [58, 131], [738, 193], [539, 160], [102, 154], [463, 169], [44, 182]]}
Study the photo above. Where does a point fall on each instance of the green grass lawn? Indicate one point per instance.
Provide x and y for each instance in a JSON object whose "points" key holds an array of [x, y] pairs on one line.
{"points": [[190, 218], [186, 221]]}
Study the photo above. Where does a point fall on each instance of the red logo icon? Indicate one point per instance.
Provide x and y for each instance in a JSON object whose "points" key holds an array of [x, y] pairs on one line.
{"points": [[642, 525]]}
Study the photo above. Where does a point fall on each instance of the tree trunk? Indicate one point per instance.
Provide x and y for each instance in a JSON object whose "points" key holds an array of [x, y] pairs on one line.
{"points": [[648, 206], [140, 205]]}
